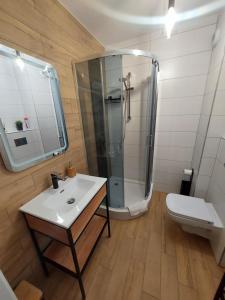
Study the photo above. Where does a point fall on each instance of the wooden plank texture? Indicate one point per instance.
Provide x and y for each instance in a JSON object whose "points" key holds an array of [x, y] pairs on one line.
{"points": [[137, 263], [43, 29], [86, 215], [27, 291], [62, 255], [47, 228]]}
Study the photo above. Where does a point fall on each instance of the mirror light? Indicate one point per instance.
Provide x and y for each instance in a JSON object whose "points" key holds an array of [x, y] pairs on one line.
{"points": [[170, 19]]}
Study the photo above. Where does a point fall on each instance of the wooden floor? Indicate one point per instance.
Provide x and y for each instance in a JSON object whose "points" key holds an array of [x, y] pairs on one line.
{"points": [[148, 258]]}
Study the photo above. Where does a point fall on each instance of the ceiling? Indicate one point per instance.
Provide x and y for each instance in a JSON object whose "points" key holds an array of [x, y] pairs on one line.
{"points": [[112, 21]]}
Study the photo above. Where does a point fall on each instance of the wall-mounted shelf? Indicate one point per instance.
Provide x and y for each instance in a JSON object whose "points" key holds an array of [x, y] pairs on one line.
{"points": [[18, 131]]}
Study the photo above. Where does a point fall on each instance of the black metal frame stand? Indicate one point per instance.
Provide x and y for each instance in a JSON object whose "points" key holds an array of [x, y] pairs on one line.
{"points": [[72, 245]]}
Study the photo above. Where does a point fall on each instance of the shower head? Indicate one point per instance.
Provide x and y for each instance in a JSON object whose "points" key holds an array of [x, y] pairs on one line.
{"points": [[127, 77], [126, 80]]}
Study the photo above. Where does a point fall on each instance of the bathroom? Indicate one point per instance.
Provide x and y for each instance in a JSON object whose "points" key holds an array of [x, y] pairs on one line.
{"points": [[106, 109]]}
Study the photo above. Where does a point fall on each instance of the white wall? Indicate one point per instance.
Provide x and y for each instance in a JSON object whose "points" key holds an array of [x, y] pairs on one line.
{"points": [[216, 195], [184, 63], [211, 176], [136, 128], [212, 121]]}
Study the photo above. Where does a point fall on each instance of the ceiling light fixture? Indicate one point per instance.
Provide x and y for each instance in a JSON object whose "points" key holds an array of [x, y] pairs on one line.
{"points": [[106, 8], [19, 60], [170, 19]]}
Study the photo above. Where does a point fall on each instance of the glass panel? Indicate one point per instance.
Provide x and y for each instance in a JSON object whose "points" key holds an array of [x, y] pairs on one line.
{"points": [[152, 109], [32, 126], [137, 74], [99, 86], [118, 105], [113, 105]]}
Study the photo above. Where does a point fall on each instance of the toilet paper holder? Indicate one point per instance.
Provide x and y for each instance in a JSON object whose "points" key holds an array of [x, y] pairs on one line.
{"points": [[186, 182], [188, 172]]}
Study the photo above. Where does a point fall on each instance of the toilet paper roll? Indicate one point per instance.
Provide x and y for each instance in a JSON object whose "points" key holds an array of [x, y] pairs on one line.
{"points": [[187, 172]]}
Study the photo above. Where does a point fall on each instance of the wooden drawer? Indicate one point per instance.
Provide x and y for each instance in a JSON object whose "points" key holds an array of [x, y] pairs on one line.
{"points": [[88, 212], [59, 233], [47, 228]]}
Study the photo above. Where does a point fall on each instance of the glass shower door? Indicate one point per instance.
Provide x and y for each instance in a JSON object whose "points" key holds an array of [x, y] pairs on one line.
{"points": [[111, 67], [152, 109], [100, 93]]}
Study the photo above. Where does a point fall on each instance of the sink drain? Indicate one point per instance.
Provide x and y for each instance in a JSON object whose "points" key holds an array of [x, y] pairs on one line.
{"points": [[70, 201]]}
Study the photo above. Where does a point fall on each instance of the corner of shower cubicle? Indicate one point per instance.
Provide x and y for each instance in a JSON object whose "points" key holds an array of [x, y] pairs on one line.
{"points": [[118, 101]]}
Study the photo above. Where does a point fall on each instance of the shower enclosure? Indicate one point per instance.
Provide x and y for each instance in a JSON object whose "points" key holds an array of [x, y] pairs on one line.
{"points": [[118, 101]]}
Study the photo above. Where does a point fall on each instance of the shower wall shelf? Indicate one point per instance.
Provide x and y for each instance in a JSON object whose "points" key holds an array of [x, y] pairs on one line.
{"points": [[18, 131]]}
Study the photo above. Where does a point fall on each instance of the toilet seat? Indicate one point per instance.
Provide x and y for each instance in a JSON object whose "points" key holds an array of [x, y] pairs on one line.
{"points": [[193, 209]]}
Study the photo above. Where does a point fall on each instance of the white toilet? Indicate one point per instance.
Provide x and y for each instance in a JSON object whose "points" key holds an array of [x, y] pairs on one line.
{"points": [[195, 215]]}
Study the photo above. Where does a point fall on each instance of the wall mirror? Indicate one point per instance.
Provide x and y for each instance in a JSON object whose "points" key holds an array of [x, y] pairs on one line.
{"points": [[32, 125]]}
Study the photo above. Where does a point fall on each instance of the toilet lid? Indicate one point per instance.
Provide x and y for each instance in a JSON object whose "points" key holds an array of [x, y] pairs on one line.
{"points": [[191, 207]]}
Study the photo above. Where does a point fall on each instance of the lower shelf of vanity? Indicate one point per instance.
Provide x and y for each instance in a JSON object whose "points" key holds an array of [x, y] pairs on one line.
{"points": [[60, 254]]}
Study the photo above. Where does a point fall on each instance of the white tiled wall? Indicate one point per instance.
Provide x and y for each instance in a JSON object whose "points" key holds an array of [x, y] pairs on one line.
{"points": [[136, 128], [184, 64], [216, 195], [212, 121]]}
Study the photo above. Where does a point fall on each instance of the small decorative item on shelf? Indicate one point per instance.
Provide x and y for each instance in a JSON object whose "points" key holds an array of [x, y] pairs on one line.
{"points": [[70, 170], [19, 125], [26, 122]]}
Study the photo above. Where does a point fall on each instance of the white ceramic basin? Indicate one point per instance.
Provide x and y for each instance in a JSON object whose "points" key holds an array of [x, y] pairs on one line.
{"points": [[62, 199], [63, 205]]}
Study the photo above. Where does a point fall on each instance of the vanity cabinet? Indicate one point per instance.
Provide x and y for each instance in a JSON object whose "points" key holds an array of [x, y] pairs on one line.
{"points": [[70, 248]]}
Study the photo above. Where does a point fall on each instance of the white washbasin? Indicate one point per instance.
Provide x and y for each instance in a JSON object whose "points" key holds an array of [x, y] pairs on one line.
{"points": [[73, 190], [63, 205]]}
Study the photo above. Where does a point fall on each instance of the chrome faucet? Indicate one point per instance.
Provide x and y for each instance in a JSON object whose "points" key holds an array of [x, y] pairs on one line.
{"points": [[55, 178]]}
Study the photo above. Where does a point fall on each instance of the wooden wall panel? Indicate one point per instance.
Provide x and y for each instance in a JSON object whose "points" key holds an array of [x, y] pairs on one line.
{"points": [[44, 29]]}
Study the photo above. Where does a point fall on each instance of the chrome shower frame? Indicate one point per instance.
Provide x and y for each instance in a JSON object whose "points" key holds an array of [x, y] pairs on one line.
{"points": [[111, 52], [152, 98]]}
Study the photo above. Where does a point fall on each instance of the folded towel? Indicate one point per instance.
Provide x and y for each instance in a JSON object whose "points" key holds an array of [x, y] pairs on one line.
{"points": [[137, 208]]}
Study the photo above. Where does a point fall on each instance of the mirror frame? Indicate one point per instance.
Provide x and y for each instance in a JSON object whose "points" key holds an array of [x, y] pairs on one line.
{"points": [[5, 152]]}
